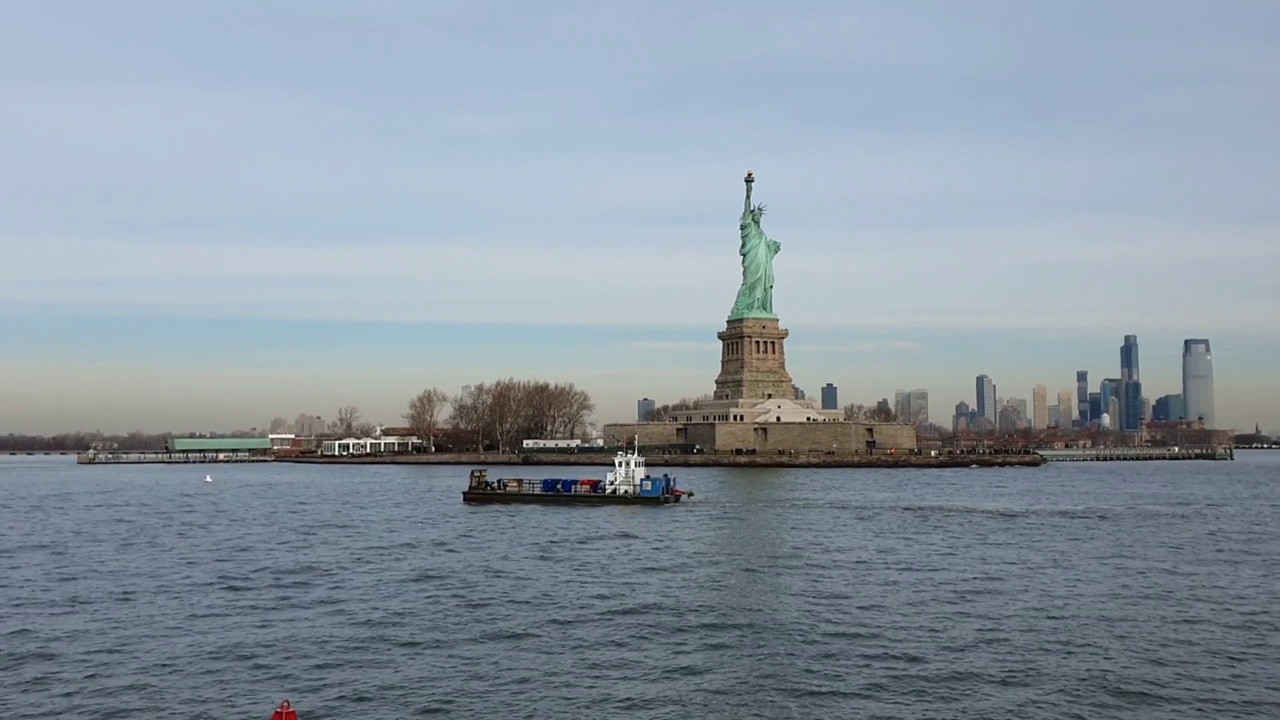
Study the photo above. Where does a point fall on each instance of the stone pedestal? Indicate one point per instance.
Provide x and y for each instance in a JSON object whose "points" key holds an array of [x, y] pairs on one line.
{"points": [[753, 361]]}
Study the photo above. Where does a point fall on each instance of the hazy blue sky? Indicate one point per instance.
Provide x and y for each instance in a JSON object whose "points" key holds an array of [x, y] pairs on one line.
{"points": [[213, 213]]}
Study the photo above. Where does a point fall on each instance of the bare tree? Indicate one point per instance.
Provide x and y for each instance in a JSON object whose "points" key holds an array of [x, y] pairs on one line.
{"points": [[424, 414], [662, 412], [347, 421], [469, 414], [869, 413], [857, 413], [509, 411], [882, 413]]}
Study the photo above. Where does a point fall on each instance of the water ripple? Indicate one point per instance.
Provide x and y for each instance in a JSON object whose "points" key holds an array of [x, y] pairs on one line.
{"points": [[1137, 590]]}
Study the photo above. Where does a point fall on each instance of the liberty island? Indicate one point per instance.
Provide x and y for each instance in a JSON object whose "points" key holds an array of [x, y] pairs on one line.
{"points": [[754, 409]]}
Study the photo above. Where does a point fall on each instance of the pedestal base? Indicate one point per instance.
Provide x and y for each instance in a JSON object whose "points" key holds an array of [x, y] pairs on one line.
{"points": [[753, 361]]}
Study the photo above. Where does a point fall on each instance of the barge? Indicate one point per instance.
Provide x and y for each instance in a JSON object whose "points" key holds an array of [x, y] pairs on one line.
{"points": [[629, 483]]}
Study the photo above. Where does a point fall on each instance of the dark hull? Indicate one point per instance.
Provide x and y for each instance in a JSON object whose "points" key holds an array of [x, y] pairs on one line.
{"points": [[480, 496]]}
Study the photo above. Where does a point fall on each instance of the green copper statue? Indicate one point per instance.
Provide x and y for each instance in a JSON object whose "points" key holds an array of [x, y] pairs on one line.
{"points": [[755, 296]]}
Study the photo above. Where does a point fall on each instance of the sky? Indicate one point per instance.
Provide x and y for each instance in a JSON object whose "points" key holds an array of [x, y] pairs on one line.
{"points": [[216, 213]]}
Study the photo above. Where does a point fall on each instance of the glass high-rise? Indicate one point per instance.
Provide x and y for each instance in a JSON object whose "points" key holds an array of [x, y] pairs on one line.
{"points": [[645, 409], [1082, 398], [830, 397], [1169, 408], [1197, 381], [986, 397], [1039, 407], [1131, 407], [1108, 390]]}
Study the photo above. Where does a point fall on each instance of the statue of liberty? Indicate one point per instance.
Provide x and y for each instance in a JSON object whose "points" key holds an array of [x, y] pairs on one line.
{"points": [[755, 295]]}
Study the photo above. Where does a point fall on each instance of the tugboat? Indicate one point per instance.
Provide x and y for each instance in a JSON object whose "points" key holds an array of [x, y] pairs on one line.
{"points": [[628, 484]]}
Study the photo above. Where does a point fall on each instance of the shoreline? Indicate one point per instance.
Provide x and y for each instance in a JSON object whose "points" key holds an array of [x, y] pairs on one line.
{"points": [[700, 460]]}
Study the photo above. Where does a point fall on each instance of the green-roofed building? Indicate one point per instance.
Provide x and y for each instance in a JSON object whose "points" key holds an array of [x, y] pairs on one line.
{"points": [[253, 446]]}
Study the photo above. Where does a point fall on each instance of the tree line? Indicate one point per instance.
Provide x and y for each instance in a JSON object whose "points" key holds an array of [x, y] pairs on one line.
{"points": [[869, 413], [500, 414], [136, 441], [495, 415]]}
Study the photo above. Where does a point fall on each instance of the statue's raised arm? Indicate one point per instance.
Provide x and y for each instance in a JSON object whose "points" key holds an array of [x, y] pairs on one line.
{"points": [[746, 205]]}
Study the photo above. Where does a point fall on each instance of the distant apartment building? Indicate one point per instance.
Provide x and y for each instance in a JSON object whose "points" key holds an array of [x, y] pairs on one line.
{"points": [[911, 406], [1197, 381], [1039, 407], [1053, 416], [1011, 419], [1020, 404], [1131, 406], [960, 420], [985, 391], [1169, 408], [1108, 390], [1064, 408], [797, 393], [1095, 406], [309, 426], [645, 410], [830, 397], [918, 402], [1082, 398]]}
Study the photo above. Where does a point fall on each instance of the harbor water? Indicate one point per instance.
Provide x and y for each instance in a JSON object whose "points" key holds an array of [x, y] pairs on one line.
{"points": [[1078, 590]]}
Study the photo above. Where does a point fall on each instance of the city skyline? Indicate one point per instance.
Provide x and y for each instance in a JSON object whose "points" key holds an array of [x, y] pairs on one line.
{"points": [[164, 355], [215, 214]]}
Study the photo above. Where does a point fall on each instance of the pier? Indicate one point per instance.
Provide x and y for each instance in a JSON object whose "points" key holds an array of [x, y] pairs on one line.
{"points": [[1122, 454], [140, 458]]}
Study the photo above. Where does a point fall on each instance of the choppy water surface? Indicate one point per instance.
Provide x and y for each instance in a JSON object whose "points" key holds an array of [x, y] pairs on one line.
{"points": [[1137, 590]]}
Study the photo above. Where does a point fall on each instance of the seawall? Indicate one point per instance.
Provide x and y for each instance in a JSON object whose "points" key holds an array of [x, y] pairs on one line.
{"points": [[701, 460]]}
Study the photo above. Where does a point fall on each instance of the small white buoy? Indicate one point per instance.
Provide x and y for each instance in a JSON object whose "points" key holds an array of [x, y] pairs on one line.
{"points": [[208, 478]]}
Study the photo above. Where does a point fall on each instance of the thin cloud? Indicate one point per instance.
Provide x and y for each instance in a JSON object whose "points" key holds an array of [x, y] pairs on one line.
{"points": [[673, 346], [874, 346]]}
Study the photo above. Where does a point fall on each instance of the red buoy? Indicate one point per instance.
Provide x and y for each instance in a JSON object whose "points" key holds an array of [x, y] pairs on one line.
{"points": [[285, 712]]}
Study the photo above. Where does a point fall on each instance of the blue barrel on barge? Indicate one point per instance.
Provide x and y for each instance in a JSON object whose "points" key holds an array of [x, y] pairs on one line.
{"points": [[628, 484]]}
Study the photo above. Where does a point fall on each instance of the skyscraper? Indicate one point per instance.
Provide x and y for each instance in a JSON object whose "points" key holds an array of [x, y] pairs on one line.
{"points": [[960, 420], [1129, 359], [917, 407], [830, 398], [1169, 408], [1082, 398], [1197, 380], [1064, 408], [1131, 409], [1019, 404], [1039, 407], [645, 409], [986, 397], [1109, 390]]}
